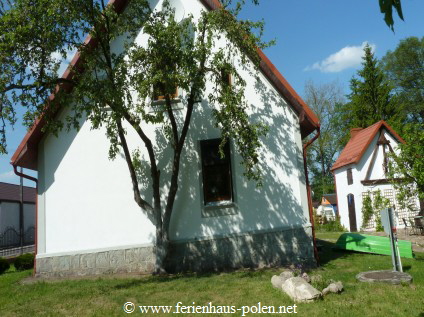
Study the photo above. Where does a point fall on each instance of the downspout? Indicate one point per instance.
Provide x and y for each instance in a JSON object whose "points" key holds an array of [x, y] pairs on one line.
{"points": [[15, 169], [308, 188]]}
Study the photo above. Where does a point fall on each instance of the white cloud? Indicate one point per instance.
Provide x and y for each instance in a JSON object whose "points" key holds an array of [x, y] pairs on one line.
{"points": [[347, 57], [7, 176]]}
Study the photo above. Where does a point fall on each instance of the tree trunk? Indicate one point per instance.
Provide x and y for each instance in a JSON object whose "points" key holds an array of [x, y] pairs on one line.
{"points": [[162, 244]]}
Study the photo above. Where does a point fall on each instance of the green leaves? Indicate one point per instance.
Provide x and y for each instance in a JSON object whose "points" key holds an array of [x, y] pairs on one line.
{"points": [[386, 7], [407, 167], [405, 69]]}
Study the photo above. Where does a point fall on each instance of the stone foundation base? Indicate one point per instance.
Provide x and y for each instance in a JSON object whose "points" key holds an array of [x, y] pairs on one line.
{"points": [[131, 260], [265, 249], [253, 250]]}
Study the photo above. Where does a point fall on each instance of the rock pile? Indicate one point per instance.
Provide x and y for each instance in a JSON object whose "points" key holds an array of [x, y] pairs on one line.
{"points": [[299, 287]]}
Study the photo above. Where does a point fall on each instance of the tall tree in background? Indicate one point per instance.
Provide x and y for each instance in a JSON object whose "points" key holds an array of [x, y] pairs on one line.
{"points": [[404, 68], [324, 100], [371, 98], [407, 167]]}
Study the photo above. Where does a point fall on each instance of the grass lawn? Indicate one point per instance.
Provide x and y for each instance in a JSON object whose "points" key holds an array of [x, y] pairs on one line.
{"points": [[105, 296]]}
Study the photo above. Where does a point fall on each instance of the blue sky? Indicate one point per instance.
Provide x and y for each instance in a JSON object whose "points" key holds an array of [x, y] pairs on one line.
{"points": [[318, 40]]}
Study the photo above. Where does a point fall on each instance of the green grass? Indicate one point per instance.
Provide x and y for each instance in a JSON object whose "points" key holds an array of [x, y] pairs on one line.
{"points": [[105, 296]]}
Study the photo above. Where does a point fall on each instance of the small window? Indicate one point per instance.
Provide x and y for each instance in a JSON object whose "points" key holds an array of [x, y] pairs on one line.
{"points": [[216, 172], [159, 92], [225, 77], [349, 176]]}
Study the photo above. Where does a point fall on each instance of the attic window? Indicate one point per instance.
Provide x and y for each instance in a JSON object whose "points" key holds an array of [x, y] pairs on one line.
{"points": [[349, 176], [159, 92], [216, 172]]}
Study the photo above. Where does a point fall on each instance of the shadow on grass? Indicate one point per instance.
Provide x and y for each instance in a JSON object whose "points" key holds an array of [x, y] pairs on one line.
{"points": [[328, 253], [406, 268], [154, 279]]}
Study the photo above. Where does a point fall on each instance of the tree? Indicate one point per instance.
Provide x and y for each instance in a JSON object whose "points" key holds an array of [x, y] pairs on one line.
{"points": [[323, 100], [371, 98], [112, 88], [407, 167], [404, 68]]}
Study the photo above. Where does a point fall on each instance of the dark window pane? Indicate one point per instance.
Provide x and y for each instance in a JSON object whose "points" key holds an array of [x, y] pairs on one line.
{"points": [[159, 92], [217, 182], [349, 176], [225, 77]]}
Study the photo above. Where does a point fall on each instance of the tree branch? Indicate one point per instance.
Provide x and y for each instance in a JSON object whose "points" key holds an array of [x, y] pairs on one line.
{"points": [[35, 86], [137, 197]]}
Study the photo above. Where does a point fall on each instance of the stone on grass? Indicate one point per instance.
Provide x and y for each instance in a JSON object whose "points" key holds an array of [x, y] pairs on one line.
{"points": [[333, 288], [285, 275], [277, 281], [306, 277], [300, 290]]}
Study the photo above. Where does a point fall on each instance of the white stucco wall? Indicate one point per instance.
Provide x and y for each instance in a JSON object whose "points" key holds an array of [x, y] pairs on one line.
{"points": [[86, 200], [359, 172]]}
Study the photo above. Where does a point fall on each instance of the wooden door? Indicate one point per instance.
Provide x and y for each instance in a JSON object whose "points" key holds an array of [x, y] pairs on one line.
{"points": [[352, 213]]}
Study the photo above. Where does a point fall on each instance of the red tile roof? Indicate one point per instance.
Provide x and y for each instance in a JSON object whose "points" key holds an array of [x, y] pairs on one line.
{"points": [[359, 142], [329, 199], [26, 154], [10, 192]]}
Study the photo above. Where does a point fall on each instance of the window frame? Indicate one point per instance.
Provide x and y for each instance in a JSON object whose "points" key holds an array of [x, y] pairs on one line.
{"points": [[205, 202], [157, 97]]}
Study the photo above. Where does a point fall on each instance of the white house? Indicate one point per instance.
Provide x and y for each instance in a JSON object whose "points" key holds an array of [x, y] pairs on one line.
{"points": [[88, 222], [328, 207], [360, 170]]}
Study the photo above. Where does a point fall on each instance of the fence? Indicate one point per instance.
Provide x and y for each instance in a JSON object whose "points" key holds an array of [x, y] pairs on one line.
{"points": [[10, 241], [400, 212]]}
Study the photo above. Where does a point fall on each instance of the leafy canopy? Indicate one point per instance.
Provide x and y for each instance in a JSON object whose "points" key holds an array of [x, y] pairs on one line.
{"points": [[404, 68], [38, 35]]}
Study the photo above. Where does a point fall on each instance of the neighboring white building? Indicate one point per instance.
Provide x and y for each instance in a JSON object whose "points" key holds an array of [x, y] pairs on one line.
{"points": [[328, 207], [89, 223], [361, 169]]}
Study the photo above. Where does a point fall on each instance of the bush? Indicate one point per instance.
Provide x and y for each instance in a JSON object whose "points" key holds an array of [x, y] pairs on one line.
{"points": [[330, 226], [4, 265], [24, 262]]}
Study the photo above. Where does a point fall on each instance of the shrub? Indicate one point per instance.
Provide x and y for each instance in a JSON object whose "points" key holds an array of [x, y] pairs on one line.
{"points": [[24, 262], [330, 226], [4, 265]]}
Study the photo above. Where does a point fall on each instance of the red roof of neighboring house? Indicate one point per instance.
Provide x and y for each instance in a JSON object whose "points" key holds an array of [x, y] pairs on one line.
{"points": [[329, 199], [359, 142], [26, 154], [11, 192]]}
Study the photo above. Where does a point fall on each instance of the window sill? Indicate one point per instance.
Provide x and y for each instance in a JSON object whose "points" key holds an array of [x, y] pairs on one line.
{"points": [[222, 208], [159, 105]]}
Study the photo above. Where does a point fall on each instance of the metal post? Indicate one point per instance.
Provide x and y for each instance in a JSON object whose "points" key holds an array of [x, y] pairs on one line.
{"points": [[389, 227], [21, 212]]}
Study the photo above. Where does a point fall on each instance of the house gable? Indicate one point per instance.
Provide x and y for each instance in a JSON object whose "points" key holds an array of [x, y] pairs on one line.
{"points": [[359, 142], [26, 153]]}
